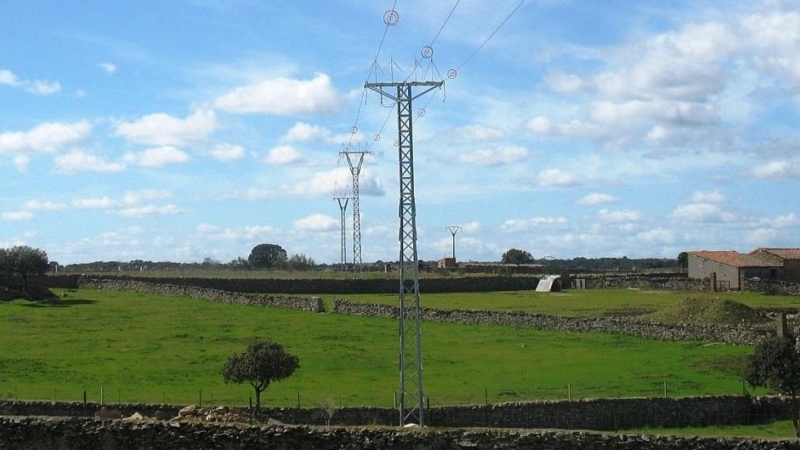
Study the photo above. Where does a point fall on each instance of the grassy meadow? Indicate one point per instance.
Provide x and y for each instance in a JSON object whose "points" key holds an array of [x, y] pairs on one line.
{"points": [[578, 303], [144, 348]]}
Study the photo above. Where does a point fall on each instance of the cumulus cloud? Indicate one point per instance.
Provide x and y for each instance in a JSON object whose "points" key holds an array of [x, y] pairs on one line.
{"points": [[563, 82], [316, 222], [479, 133], [596, 198], [556, 178], [284, 96], [156, 157], [536, 223], [305, 132], [776, 170], [93, 203], [15, 216], [702, 213], [165, 130], [283, 154], [47, 137], [620, 216], [227, 152], [495, 157], [38, 205], [707, 197], [247, 233], [79, 161], [148, 211], [36, 87]]}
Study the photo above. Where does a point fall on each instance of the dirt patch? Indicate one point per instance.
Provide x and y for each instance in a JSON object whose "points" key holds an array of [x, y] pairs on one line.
{"points": [[719, 311]]}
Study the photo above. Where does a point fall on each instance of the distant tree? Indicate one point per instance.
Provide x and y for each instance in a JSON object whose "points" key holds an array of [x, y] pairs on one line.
{"points": [[299, 262], [515, 256], [239, 264], [775, 364], [261, 363], [267, 256], [683, 260], [23, 261]]}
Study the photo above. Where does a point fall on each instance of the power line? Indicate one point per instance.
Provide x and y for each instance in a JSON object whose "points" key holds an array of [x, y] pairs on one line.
{"points": [[491, 35], [444, 23]]}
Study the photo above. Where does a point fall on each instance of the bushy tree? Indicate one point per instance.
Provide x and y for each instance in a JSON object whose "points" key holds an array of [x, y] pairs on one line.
{"points": [[516, 256], [267, 256], [23, 261], [261, 363], [299, 262], [683, 260], [775, 364]]}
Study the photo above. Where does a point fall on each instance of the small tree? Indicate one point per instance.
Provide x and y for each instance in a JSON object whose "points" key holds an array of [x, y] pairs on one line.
{"points": [[23, 261], [775, 364], [683, 260], [299, 262], [261, 363], [267, 256], [515, 256]]}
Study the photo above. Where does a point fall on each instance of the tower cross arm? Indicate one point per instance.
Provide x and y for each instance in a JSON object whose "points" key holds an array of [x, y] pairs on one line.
{"points": [[379, 87]]}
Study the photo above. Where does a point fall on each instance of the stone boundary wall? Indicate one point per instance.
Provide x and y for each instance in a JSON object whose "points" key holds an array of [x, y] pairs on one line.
{"points": [[729, 334], [72, 433], [233, 298], [590, 414], [772, 287], [663, 281]]}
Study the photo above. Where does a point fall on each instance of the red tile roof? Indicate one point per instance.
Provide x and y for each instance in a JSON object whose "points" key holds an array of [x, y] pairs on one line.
{"points": [[781, 253], [734, 259]]}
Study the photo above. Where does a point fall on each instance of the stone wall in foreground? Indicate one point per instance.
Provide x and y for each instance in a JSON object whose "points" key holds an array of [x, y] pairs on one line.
{"points": [[73, 433]]}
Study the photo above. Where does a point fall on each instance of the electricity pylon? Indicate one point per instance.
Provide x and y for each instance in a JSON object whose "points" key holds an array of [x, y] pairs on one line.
{"points": [[453, 229], [411, 398], [354, 160], [342, 207]]}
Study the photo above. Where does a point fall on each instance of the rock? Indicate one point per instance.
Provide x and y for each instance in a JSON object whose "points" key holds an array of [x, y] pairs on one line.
{"points": [[187, 411], [135, 417], [107, 413]]}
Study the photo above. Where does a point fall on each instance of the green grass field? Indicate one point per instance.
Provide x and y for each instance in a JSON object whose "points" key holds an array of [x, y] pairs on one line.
{"points": [[149, 349], [577, 303]]}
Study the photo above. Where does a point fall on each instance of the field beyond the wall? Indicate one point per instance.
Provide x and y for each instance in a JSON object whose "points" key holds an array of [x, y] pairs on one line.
{"points": [[134, 347]]}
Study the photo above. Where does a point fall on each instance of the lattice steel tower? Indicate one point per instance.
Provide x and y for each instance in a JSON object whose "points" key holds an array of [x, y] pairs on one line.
{"points": [[342, 208], [411, 399], [354, 160]]}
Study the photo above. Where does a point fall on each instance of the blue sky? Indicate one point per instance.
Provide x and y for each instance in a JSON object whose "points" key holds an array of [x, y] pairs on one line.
{"points": [[185, 129]]}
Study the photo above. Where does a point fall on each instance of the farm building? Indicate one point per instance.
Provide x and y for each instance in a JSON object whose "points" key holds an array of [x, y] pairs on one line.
{"points": [[727, 269], [446, 263]]}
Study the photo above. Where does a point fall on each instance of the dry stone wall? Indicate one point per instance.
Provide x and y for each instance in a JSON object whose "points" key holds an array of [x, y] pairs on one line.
{"points": [[74, 433], [215, 295], [729, 334]]}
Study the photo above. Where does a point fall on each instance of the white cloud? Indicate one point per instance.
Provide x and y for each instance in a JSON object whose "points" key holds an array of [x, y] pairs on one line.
{"points": [[556, 178], [283, 154], [284, 96], [702, 213], [165, 130], [37, 87], [21, 162], [93, 203], [144, 195], [658, 236], [316, 222], [227, 152], [480, 133], [305, 132], [79, 161], [241, 234], [472, 227], [707, 197], [621, 216], [40, 87], [596, 198], [149, 211], [37, 205], [156, 157], [776, 170], [7, 77], [536, 223], [108, 68], [563, 83], [495, 157], [47, 137], [14, 216]]}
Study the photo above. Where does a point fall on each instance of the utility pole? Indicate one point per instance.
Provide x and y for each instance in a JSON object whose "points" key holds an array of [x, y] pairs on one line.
{"points": [[354, 160], [453, 229], [342, 207], [411, 398]]}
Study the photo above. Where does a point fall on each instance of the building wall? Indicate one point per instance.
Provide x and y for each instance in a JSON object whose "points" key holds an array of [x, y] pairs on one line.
{"points": [[792, 270], [700, 268]]}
